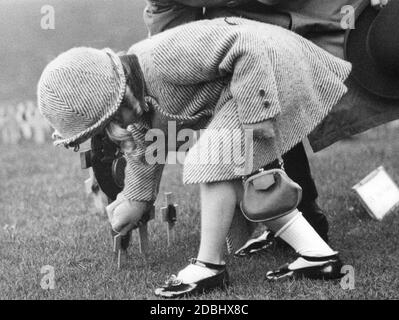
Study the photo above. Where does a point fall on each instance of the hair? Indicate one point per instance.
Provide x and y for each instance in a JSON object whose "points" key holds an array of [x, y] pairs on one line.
{"points": [[120, 136], [131, 140], [126, 137]]}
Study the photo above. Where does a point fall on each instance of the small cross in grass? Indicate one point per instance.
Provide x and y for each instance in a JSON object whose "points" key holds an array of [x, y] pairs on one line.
{"points": [[169, 215]]}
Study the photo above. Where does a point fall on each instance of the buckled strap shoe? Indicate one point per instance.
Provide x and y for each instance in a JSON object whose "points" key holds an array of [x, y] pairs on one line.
{"points": [[175, 288], [256, 245], [320, 268]]}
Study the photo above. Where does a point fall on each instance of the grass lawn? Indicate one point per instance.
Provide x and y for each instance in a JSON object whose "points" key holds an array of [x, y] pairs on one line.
{"points": [[42, 192]]}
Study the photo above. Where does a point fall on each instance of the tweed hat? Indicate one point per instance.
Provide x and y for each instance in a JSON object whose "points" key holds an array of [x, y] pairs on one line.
{"points": [[79, 92]]}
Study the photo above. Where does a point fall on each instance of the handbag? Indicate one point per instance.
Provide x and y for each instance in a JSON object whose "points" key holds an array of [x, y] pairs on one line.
{"points": [[270, 194]]}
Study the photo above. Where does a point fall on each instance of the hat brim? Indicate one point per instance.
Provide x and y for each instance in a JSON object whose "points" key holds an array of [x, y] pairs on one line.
{"points": [[365, 71], [88, 133], [104, 120]]}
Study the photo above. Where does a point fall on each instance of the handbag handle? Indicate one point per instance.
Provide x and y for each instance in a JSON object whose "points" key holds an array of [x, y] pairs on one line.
{"points": [[276, 141]]}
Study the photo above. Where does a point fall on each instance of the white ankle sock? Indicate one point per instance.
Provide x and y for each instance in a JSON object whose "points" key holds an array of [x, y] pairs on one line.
{"points": [[193, 273], [301, 236]]}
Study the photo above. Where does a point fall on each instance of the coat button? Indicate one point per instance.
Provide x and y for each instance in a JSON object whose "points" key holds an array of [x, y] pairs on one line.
{"points": [[266, 104], [262, 92]]}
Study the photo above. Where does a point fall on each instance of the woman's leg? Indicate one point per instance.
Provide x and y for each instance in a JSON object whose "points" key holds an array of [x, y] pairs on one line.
{"points": [[298, 169]]}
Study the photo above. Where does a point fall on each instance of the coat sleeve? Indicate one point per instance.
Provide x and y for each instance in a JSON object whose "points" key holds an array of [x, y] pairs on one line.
{"points": [[202, 53], [142, 180]]}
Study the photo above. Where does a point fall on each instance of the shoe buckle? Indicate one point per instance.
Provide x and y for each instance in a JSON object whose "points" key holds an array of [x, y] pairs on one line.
{"points": [[173, 281]]}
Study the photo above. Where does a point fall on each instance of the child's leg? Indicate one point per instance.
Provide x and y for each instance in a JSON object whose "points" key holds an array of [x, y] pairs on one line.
{"points": [[316, 259], [299, 234], [218, 202]]}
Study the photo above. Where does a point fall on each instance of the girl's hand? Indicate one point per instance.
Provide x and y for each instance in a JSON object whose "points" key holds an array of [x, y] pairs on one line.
{"points": [[124, 214], [261, 130]]}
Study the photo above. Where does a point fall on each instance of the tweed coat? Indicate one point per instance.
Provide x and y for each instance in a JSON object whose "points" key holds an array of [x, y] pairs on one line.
{"points": [[222, 74]]}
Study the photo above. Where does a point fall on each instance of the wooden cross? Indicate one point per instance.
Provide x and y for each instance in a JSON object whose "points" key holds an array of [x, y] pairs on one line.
{"points": [[144, 243], [169, 215], [117, 248], [121, 242], [22, 116], [40, 127], [9, 128]]}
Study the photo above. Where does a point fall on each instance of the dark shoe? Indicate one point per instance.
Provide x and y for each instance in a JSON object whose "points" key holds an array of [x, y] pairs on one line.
{"points": [[316, 218], [256, 245], [175, 288], [330, 269]]}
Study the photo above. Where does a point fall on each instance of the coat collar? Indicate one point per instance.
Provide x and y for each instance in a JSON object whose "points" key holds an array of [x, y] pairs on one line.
{"points": [[135, 78]]}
